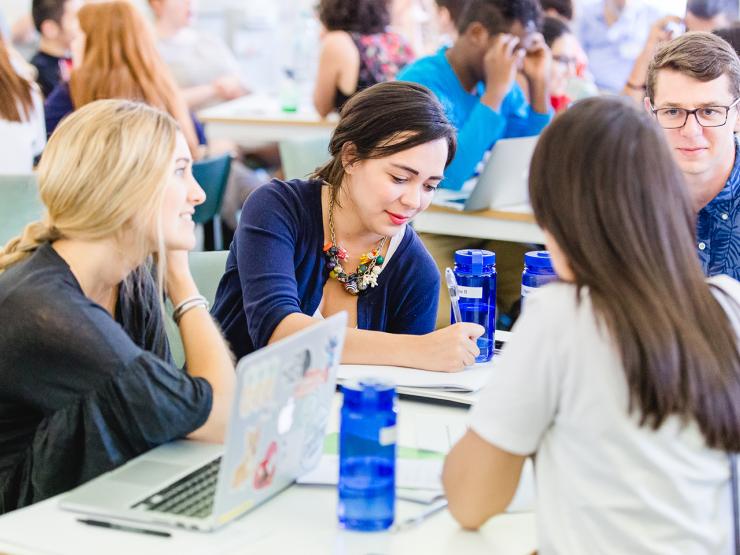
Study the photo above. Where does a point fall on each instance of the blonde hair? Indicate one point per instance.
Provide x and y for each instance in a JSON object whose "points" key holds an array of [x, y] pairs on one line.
{"points": [[103, 172]]}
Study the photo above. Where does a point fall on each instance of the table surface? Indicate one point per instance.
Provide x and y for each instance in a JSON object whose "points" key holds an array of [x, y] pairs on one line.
{"points": [[263, 109], [301, 519], [515, 224]]}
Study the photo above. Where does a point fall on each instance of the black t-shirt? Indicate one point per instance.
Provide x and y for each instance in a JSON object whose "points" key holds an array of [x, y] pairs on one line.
{"points": [[80, 392], [49, 73]]}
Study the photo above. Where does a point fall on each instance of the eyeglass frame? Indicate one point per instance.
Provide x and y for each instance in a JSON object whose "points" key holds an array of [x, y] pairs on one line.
{"points": [[693, 112]]}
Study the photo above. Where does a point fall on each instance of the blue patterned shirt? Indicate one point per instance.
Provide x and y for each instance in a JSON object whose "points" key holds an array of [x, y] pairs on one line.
{"points": [[718, 228]]}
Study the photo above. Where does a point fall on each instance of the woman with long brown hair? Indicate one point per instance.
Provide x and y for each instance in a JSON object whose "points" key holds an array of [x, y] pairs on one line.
{"points": [[22, 133], [624, 378], [115, 56]]}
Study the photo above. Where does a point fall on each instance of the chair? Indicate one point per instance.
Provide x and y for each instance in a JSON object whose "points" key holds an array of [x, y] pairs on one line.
{"points": [[207, 269], [212, 175], [19, 204], [300, 157]]}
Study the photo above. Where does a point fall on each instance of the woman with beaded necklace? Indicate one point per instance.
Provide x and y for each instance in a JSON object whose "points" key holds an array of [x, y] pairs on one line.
{"points": [[341, 241]]}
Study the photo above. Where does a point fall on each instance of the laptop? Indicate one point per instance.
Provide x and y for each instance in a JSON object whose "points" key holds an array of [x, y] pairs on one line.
{"points": [[275, 434], [503, 182]]}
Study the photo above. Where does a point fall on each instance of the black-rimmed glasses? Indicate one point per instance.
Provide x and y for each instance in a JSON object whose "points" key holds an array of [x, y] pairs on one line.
{"points": [[706, 116]]}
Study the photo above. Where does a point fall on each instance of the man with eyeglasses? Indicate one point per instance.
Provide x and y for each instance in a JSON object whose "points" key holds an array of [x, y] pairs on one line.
{"points": [[693, 91]]}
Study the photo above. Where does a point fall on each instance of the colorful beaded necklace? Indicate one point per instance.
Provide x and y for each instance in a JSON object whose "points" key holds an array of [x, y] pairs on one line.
{"points": [[367, 272]]}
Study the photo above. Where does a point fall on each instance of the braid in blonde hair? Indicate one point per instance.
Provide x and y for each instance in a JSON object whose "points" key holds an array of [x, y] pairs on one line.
{"points": [[33, 236]]}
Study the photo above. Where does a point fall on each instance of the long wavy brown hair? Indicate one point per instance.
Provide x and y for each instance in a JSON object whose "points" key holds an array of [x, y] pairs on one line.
{"points": [[121, 61], [16, 103], [604, 184]]}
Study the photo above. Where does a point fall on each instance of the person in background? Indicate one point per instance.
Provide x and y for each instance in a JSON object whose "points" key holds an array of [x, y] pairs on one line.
{"points": [[86, 373], [565, 50], [475, 81], [342, 241], [22, 131], [613, 33], [701, 15], [693, 91], [708, 15], [731, 34], [357, 50], [56, 21], [202, 65], [448, 14], [562, 9], [116, 57], [620, 382]]}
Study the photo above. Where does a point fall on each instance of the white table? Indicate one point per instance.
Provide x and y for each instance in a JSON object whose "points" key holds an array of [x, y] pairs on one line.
{"points": [[300, 520], [257, 119], [503, 224]]}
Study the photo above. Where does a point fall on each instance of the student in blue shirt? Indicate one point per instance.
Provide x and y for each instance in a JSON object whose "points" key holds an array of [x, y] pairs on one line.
{"points": [[476, 81], [341, 241], [693, 91]]}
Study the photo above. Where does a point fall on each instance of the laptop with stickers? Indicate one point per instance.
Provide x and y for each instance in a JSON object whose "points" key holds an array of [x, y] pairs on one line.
{"points": [[275, 434]]}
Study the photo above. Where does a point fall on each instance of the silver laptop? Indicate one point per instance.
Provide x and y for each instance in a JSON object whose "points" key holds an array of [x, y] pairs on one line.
{"points": [[275, 434], [502, 182]]}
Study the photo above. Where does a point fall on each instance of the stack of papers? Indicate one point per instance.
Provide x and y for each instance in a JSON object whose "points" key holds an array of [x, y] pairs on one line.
{"points": [[459, 387]]}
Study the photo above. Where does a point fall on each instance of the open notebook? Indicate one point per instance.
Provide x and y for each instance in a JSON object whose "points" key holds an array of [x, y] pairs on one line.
{"points": [[459, 387]]}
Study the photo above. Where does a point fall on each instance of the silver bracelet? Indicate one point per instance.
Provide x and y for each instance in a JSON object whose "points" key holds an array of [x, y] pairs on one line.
{"points": [[188, 304]]}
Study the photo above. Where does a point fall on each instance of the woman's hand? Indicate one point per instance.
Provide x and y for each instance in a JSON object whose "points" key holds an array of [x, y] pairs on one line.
{"points": [[179, 282], [449, 349]]}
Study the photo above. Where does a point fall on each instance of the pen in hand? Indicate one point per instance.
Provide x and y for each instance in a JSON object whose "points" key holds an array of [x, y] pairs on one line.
{"points": [[454, 294]]}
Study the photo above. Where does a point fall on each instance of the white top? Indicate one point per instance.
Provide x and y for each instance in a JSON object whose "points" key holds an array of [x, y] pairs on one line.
{"points": [[604, 484], [196, 58], [21, 141]]}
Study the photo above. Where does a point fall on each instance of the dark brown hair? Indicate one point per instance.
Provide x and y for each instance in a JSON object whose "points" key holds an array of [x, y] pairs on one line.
{"points": [[385, 119], [701, 56], [53, 10], [564, 8], [709, 9], [16, 103], [731, 34], [455, 7], [603, 183], [355, 16], [497, 16]]}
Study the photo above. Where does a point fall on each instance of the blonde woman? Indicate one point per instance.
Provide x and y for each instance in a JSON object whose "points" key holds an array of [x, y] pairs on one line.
{"points": [[86, 375]]}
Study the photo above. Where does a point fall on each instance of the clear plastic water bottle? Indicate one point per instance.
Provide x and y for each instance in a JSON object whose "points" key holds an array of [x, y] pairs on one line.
{"points": [[475, 272], [367, 456], [538, 271]]}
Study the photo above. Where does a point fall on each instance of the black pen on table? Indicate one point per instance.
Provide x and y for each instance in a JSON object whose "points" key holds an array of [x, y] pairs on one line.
{"points": [[123, 527], [421, 517]]}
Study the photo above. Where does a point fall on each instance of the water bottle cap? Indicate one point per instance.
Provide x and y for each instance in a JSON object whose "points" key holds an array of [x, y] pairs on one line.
{"points": [[538, 259], [475, 258], [369, 393]]}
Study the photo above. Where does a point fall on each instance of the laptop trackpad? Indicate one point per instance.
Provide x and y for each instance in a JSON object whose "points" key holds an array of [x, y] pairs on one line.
{"points": [[147, 473]]}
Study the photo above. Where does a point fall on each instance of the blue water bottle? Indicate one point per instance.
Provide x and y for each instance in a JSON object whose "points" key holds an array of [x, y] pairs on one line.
{"points": [[475, 272], [367, 456], [538, 271]]}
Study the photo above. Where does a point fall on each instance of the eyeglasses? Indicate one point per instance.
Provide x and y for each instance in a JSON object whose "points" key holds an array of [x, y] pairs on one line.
{"points": [[565, 60], [706, 116]]}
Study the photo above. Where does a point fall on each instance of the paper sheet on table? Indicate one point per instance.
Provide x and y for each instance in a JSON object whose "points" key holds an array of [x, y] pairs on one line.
{"points": [[410, 473], [468, 380]]}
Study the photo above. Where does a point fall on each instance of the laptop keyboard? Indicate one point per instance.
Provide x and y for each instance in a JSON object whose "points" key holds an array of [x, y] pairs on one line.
{"points": [[190, 496]]}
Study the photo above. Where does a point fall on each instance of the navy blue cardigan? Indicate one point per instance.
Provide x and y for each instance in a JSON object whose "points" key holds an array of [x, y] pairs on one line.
{"points": [[276, 267]]}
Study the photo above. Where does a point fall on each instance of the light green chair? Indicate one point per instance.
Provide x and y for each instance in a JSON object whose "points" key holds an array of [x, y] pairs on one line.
{"points": [[19, 204], [300, 157], [207, 269]]}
